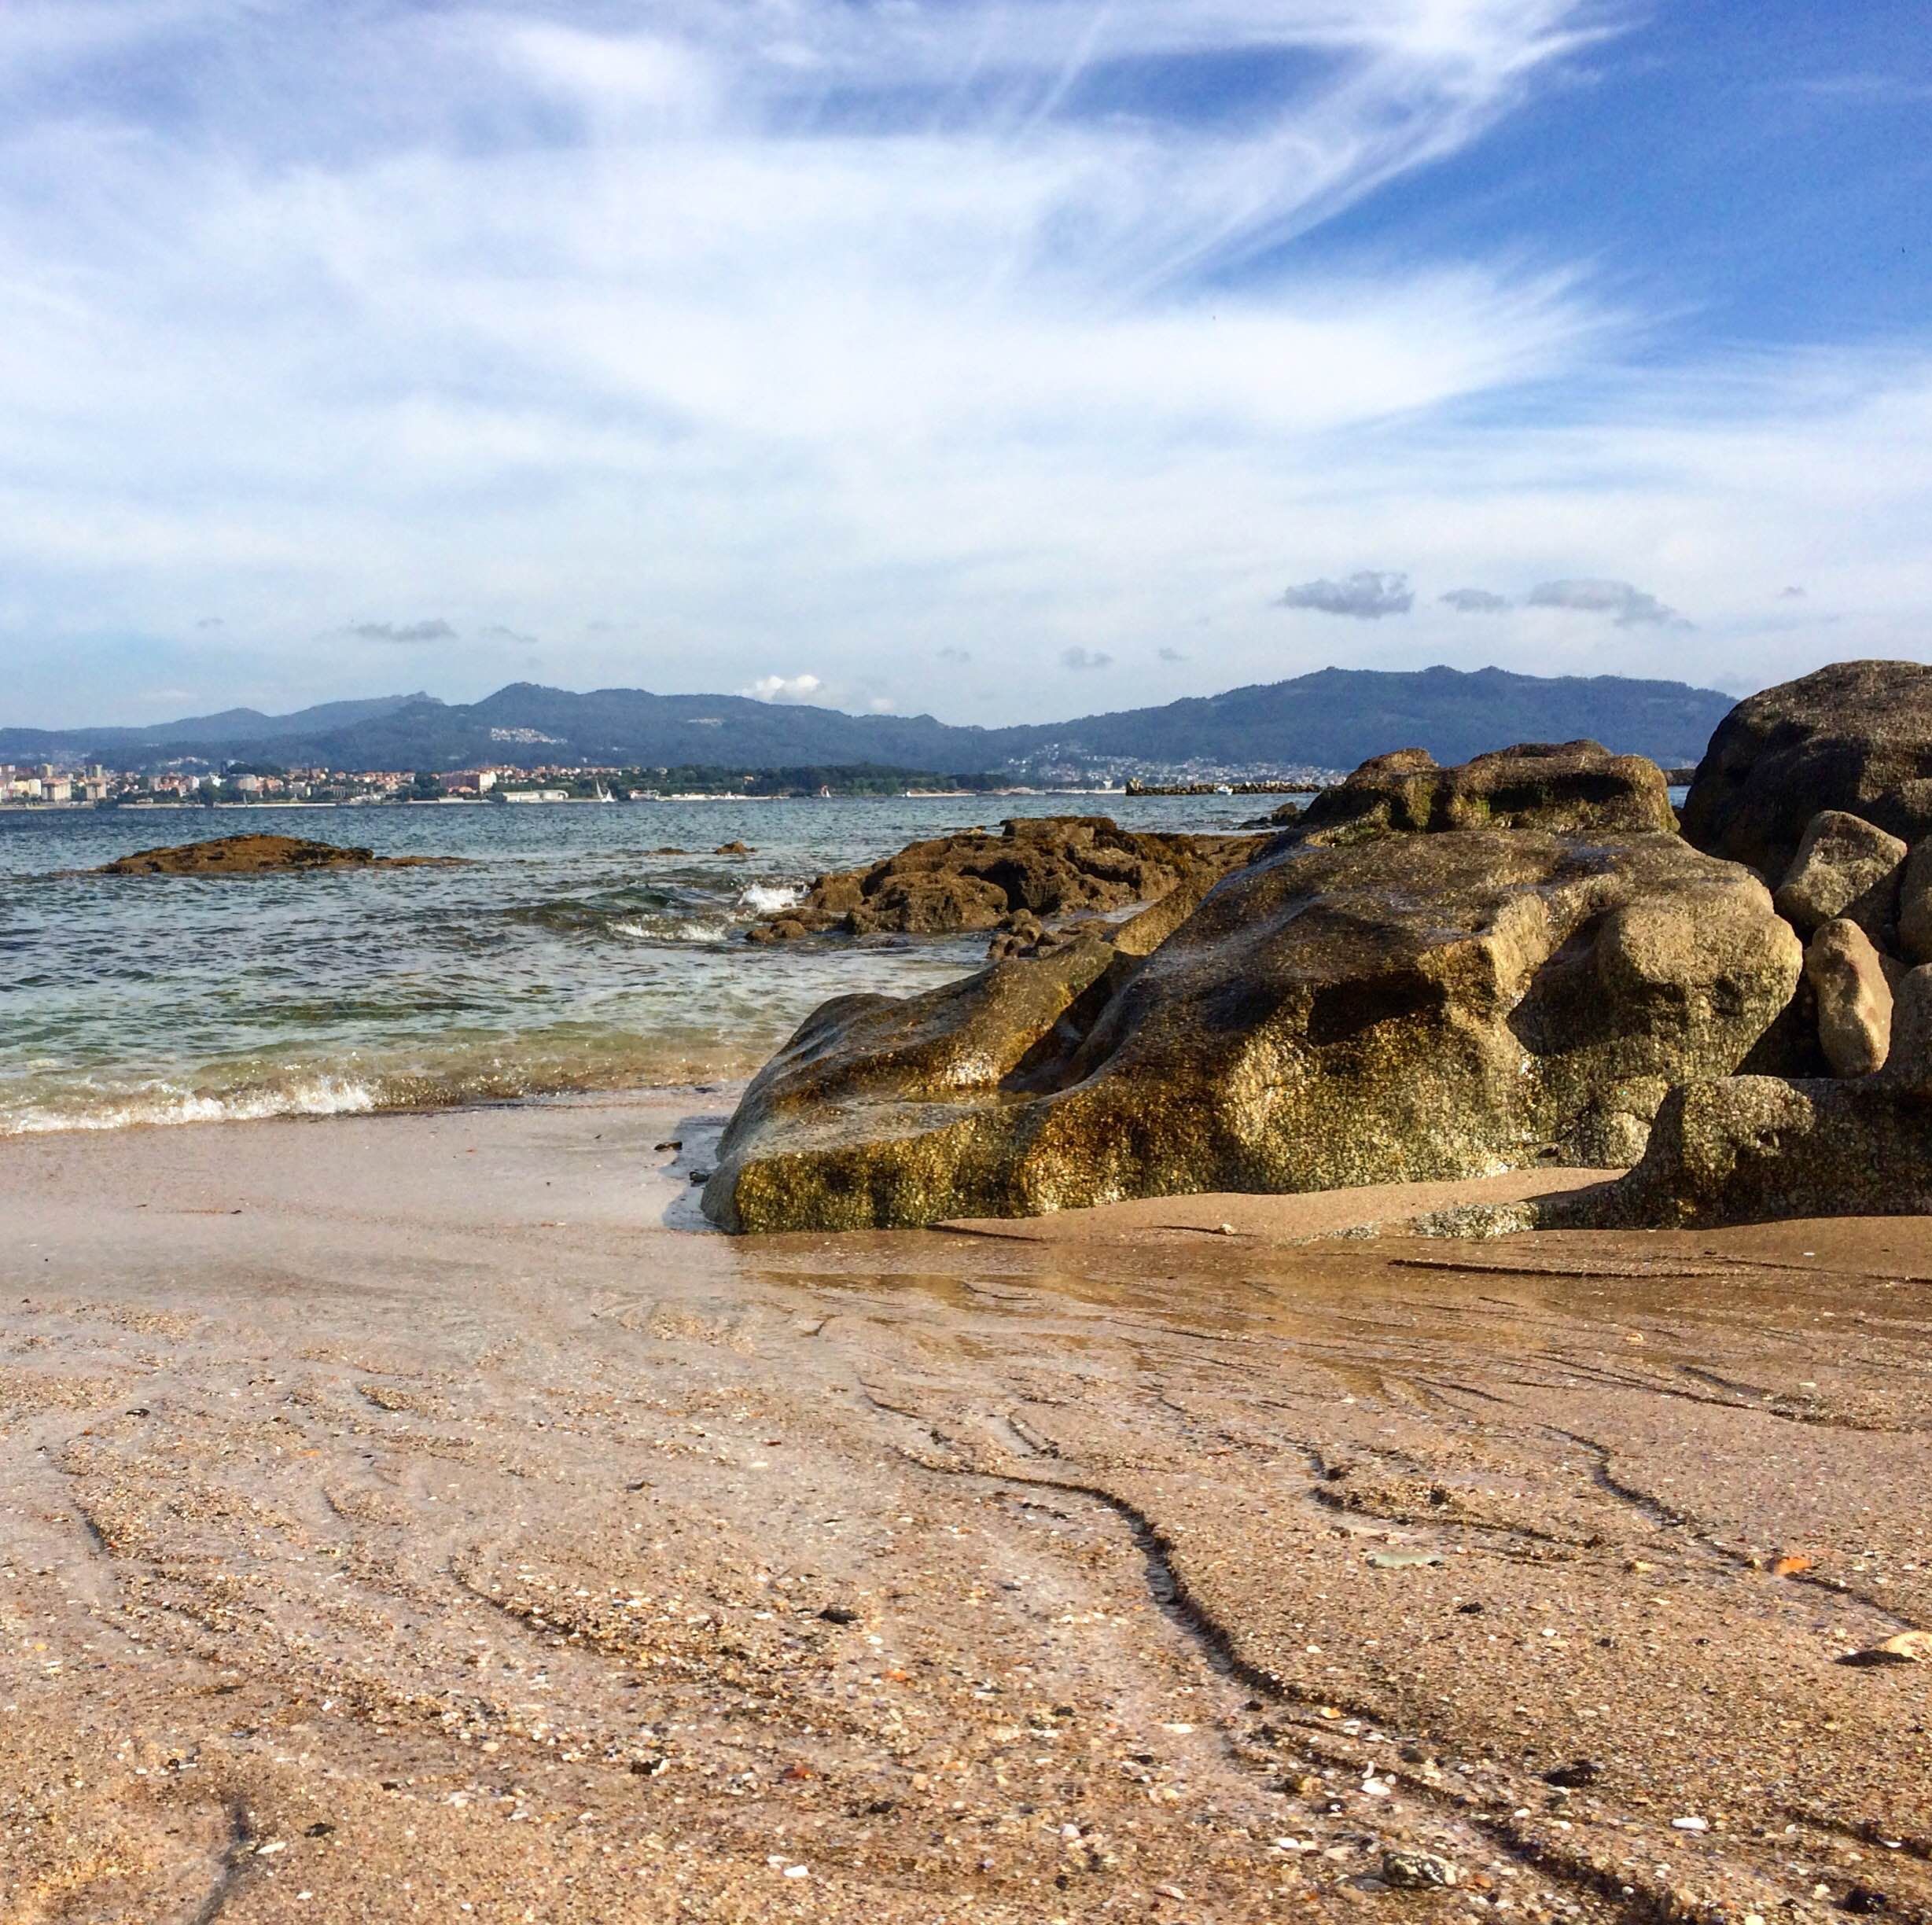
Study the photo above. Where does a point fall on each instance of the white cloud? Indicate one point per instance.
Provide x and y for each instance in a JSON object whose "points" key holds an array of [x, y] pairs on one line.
{"points": [[1083, 661], [776, 688], [1474, 601]]}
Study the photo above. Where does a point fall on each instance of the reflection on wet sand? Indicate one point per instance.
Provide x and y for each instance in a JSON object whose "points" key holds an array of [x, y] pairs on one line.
{"points": [[364, 1560]]}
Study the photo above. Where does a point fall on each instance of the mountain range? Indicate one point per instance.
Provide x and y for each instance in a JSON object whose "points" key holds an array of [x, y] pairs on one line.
{"points": [[1333, 718]]}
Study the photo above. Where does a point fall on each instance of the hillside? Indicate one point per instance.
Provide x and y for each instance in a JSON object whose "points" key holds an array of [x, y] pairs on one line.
{"points": [[1332, 718]]}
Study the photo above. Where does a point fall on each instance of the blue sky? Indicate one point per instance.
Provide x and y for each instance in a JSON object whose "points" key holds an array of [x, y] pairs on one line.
{"points": [[1005, 358]]}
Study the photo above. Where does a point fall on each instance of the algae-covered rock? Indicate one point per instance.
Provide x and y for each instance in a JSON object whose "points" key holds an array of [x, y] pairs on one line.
{"points": [[1036, 867], [1576, 788], [1755, 1149], [1856, 736], [258, 856], [1406, 1006]]}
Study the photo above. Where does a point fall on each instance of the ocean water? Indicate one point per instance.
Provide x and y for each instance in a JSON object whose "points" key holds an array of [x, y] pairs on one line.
{"points": [[566, 954]]}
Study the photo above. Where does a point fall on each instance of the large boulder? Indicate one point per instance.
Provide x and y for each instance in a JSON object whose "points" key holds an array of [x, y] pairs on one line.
{"points": [[1405, 1005], [1856, 736], [1754, 1149], [1575, 788], [1037, 867]]}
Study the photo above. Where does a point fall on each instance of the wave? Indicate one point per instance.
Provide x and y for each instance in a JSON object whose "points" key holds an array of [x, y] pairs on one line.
{"points": [[161, 1104], [768, 898]]}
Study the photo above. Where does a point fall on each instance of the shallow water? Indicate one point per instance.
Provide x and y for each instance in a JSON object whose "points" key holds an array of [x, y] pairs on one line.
{"points": [[567, 954]]}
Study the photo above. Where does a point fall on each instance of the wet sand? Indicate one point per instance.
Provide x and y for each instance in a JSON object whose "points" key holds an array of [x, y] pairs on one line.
{"points": [[400, 1522]]}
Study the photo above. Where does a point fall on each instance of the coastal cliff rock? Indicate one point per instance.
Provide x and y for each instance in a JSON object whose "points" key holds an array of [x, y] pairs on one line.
{"points": [[1406, 1003], [1036, 867], [1855, 736], [1575, 788], [258, 856]]}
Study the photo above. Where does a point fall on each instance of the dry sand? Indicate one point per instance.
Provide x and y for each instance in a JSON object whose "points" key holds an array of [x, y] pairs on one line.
{"points": [[399, 1522]]}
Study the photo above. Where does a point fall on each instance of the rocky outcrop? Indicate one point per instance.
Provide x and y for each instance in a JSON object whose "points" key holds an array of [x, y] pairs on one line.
{"points": [[259, 856], [1847, 976], [1915, 905], [1576, 788], [1036, 869], [1844, 866], [1753, 1149], [1856, 736], [1399, 1005]]}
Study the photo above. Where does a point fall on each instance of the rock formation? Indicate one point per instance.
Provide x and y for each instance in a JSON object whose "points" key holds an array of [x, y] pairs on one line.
{"points": [[1566, 789], [1036, 868], [259, 856], [1386, 994]]}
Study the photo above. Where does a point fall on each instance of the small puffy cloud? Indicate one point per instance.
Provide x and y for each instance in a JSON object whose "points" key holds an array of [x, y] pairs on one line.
{"points": [[1368, 595], [1628, 606], [1171, 655], [1474, 601], [1084, 658], [211, 621], [951, 654], [880, 705], [777, 688], [497, 632], [1793, 593], [434, 630]]}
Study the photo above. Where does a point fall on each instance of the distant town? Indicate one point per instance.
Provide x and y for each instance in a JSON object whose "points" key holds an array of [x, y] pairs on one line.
{"points": [[50, 785]]}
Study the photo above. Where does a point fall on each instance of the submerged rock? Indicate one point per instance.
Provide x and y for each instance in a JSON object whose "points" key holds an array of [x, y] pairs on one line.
{"points": [[1402, 1006], [1036, 867], [1856, 736], [259, 855]]}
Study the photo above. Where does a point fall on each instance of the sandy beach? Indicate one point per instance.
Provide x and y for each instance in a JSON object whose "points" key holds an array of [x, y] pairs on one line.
{"points": [[402, 1522]]}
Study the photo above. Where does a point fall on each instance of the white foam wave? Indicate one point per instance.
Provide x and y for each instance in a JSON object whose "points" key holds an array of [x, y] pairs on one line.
{"points": [[769, 898], [162, 1104]]}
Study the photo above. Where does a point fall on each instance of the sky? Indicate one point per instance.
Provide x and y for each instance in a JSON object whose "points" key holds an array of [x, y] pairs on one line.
{"points": [[1001, 360]]}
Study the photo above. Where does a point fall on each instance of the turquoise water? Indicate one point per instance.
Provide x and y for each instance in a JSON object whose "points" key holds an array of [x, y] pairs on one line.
{"points": [[566, 955]]}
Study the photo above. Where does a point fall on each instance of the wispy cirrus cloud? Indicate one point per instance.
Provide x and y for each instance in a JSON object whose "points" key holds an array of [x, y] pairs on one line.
{"points": [[974, 327]]}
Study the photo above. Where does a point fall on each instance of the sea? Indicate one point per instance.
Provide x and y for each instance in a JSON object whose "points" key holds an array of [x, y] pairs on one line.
{"points": [[572, 950]]}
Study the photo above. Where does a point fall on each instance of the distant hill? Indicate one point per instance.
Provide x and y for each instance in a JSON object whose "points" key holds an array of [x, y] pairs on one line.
{"points": [[1333, 719]]}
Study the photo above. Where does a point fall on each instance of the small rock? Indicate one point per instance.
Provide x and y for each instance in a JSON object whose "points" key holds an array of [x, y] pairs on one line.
{"points": [[672, 1144], [1690, 1824], [1789, 1564], [1404, 1560], [1863, 1900], [1574, 1776], [734, 848], [1844, 868], [1907, 1647], [701, 1176], [839, 1614], [1409, 1871], [1854, 999]]}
